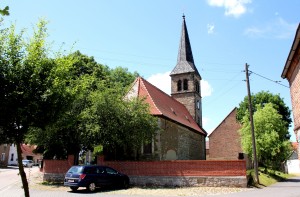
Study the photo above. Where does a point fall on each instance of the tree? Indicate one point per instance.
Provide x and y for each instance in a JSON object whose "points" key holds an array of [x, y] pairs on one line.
{"points": [[262, 98], [118, 123], [30, 93], [68, 135], [272, 146], [5, 11]]}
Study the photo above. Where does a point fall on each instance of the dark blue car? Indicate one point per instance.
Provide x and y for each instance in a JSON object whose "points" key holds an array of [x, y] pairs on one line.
{"points": [[92, 177]]}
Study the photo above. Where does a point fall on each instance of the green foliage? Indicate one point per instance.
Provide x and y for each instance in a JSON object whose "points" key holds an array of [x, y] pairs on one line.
{"points": [[114, 122], [30, 96], [266, 178], [262, 98], [272, 146], [5, 11]]}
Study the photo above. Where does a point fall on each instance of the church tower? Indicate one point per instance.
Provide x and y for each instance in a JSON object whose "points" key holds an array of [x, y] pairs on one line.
{"points": [[185, 78]]}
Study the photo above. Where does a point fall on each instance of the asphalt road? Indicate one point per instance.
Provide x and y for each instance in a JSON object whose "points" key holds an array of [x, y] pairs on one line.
{"points": [[10, 186]]}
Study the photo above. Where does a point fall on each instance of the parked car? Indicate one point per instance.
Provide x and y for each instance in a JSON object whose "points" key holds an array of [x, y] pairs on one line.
{"points": [[27, 163], [92, 177]]}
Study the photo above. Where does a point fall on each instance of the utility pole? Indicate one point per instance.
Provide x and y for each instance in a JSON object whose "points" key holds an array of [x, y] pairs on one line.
{"points": [[252, 125]]}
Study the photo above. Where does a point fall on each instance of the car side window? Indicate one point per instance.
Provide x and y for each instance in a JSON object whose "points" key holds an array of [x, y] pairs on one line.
{"points": [[111, 171], [90, 170], [100, 170]]}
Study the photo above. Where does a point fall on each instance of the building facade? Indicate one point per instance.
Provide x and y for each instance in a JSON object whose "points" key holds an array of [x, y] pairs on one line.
{"points": [[225, 140], [291, 72]]}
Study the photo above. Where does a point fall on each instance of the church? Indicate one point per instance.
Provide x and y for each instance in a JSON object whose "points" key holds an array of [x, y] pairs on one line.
{"points": [[181, 136]]}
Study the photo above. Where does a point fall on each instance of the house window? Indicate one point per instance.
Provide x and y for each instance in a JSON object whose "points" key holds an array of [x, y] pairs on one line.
{"points": [[185, 84], [2, 156], [12, 157], [147, 148], [179, 87], [198, 104]]}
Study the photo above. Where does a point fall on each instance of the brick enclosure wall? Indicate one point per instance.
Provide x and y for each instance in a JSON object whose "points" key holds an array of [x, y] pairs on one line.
{"points": [[225, 140], [54, 170], [164, 173], [179, 168], [183, 173]]}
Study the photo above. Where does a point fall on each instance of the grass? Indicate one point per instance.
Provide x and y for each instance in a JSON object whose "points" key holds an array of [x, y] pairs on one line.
{"points": [[266, 178]]}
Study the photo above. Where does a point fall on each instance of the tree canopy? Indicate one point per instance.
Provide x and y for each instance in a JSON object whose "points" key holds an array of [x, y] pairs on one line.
{"points": [[30, 93], [261, 99], [272, 146]]}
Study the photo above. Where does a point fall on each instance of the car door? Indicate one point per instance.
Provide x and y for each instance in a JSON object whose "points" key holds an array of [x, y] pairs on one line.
{"points": [[113, 177], [101, 176]]}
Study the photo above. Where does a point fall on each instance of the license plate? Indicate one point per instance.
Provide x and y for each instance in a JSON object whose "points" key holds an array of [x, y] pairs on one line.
{"points": [[71, 180]]}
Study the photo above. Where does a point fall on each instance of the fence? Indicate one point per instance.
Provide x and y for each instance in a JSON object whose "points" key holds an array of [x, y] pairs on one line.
{"points": [[165, 173]]}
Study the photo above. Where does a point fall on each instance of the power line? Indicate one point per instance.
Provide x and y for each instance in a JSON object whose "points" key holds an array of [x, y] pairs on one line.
{"points": [[278, 82]]}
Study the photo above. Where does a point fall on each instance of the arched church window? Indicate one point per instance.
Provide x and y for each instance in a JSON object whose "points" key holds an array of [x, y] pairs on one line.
{"points": [[179, 88], [185, 84], [197, 86]]}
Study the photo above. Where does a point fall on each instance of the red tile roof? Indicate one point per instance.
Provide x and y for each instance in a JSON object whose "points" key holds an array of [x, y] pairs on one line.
{"points": [[295, 146], [27, 149], [161, 104]]}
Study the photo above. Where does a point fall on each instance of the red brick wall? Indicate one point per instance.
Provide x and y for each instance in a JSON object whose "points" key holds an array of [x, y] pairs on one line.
{"points": [[179, 168], [57, 166], [159, 168], [225, 140], [295, 94], [293, 76]]}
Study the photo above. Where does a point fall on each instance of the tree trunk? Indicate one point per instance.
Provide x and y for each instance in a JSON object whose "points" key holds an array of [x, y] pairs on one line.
{"points": [[21, 171]]}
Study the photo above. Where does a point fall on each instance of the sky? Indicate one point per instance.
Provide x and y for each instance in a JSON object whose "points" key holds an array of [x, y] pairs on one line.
{"points": [[144, 36]]}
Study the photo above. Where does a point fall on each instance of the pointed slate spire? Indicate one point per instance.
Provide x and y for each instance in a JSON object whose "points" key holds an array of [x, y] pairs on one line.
{"points": [[185, 60]]}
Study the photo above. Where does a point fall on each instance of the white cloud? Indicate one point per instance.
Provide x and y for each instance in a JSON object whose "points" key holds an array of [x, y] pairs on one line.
{"points": [[210, 28], [206, 89], [163, 82], [279, 29], [232, 7]]}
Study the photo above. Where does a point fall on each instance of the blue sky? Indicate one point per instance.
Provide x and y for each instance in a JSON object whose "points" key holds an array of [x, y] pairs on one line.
{"points": [[143, 36]]}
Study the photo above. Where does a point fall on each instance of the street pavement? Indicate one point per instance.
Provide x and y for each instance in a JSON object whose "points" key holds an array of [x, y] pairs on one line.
{"points": [[288, 188], [10, 186]]}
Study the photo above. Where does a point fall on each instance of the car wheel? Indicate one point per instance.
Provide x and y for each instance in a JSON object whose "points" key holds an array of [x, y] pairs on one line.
{"points": [[125, 184], [91, 187], [74, 188]]}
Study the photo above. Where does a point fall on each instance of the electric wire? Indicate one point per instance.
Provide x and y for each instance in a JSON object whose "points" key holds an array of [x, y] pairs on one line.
{"points": [[277, 82]]}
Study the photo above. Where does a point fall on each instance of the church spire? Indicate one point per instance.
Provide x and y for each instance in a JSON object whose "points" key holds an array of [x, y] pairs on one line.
{"points": [[185, 60]]}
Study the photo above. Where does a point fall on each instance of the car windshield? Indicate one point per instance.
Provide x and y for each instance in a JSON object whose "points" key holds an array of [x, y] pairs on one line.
{"points": [[75, 169]]}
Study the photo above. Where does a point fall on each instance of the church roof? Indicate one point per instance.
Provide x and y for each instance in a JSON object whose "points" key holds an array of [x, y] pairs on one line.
{"points": [[185, 60], [161, 104]]}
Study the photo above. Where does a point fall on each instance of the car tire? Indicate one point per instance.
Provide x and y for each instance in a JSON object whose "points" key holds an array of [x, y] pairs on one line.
{"points": [[91, 187], [73, 188], [125, 184]]}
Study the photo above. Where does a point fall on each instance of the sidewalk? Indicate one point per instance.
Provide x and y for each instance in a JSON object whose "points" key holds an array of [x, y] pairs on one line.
{"points": [[287, 188]]}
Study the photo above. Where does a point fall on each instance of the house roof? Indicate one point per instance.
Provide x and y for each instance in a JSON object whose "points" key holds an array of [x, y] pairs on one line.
{"points": [[27, 149], [185, 60], [295, 146], [161, 104], [232, 111], [292, 52]]}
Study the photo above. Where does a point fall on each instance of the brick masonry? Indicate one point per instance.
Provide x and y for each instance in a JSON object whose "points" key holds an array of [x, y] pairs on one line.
{"points": [[225, 140], [186, 144], [184, 173], [164, 173], [293, 76]]}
